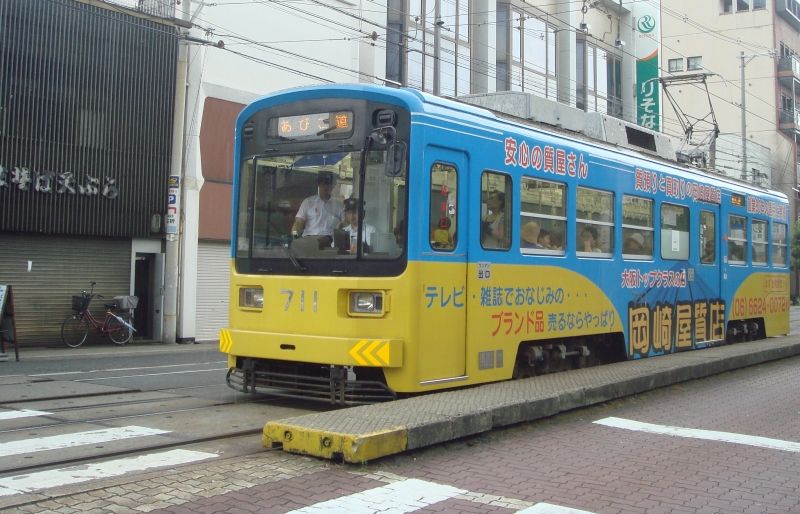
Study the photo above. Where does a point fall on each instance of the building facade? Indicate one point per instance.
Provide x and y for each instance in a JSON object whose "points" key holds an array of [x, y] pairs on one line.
{"points": [[86, 108], [748, 49]]}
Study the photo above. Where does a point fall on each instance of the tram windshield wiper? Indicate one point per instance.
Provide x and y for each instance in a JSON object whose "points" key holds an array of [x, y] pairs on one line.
{"points": [[298, 266]]}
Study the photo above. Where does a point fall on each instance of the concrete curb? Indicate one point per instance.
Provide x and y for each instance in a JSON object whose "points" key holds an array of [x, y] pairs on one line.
{"points": [[361, 434]]}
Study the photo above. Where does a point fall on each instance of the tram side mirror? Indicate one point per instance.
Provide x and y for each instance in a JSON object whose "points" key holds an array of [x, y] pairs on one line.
{"points": [[396, 159]]}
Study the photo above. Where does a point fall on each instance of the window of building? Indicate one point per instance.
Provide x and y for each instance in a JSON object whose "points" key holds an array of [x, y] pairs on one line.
{"points": [[443, 222], [674, 232], [598, 79], [594, 222], [779, 244], [708, 237], [526, 53], [759, 4], [726, 5], [675, 65], [742, 5], [431, 26], [543, 216], [637, 227], [759, 230], [694, 63], [495, 211], [737, 239]]}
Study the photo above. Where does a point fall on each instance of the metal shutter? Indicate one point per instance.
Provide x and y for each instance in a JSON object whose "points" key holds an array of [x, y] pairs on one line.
{"points": [[60, 267], [213, 280]]}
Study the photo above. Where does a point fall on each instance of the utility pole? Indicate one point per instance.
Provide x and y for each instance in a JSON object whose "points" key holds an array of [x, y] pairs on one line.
{"points": [[744, 121], [174, 218]]}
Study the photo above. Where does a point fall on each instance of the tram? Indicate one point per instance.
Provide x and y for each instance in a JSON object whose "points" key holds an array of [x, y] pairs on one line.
{"points": [[479, 248]]}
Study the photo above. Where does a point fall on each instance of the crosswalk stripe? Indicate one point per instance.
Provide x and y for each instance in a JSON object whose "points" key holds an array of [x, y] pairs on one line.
{"points": [[549, 508], [710, 435], [23, 413], [397, 498], [86, 472], [57, 442]]}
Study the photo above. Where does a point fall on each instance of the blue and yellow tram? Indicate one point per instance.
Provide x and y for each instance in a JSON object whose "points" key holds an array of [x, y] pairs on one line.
{"points": [[481, 249]]}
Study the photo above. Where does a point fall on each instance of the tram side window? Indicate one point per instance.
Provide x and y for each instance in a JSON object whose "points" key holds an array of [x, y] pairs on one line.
{"points": [[594, 222], [443, 221], [674, 232], [543, 216], [495, 211], [708, 239], [779, 244], [759, 229], [637, 227], [737, 239]]}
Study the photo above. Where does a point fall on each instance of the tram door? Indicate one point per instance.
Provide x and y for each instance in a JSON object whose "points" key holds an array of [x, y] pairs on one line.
{"points": [[443, 246], [708, 277]]}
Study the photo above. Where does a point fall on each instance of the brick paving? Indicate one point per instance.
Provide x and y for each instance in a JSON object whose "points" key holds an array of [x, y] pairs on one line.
{"points": [[565, 460]]}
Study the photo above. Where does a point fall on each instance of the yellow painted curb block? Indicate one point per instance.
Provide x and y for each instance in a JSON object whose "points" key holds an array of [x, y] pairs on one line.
{"points": [[352, 448]]}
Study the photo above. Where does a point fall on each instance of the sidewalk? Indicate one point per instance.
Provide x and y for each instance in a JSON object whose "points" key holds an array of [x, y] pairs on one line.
{"points": [[362, 434], [101, 347]]}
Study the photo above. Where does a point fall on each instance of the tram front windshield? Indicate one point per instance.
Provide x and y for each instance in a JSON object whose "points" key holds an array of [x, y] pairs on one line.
{"points": [[301, 211]]}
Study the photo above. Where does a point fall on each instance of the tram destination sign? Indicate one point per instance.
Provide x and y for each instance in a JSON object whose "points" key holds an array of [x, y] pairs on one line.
{"points": [[320, 125]]}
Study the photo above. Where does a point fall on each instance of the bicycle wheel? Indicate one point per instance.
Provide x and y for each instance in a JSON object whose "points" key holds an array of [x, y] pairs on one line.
{"points": [[74, 330], [117, 331]]}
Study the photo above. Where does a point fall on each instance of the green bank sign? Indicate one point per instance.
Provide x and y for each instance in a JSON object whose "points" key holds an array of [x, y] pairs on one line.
{"points": [[647, 92]]}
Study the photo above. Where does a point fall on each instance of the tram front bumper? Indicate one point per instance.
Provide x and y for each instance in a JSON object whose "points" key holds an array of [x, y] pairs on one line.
{"points": [[341, 351]]}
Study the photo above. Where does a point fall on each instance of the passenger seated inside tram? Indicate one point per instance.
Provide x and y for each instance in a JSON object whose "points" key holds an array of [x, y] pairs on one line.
{"points": [[634, 244], [441, 238], [587, 242], [350, 227], [529, 235]]}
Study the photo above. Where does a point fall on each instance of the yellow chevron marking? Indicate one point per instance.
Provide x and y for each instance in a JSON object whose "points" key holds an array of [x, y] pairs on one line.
{"points": [[370, 353], [354, 352], [370, 349], [383, 353], [225, 341]]}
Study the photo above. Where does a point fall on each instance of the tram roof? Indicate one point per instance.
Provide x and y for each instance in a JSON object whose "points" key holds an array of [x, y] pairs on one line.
{"points": [[422, 102]]}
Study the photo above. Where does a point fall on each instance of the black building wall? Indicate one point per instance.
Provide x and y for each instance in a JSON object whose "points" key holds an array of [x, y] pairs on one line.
{"points": [[86, 110]]}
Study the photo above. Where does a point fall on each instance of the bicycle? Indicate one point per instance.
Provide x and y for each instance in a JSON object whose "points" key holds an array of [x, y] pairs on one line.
{"points": [[117, 323]]}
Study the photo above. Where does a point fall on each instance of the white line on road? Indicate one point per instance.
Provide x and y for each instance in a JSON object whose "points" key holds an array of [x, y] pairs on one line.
{"points": [[398, 497], [85, 472], [549, 508], [710, 435], [61, 373], [56, 442], [149, 375], [23, 413]]}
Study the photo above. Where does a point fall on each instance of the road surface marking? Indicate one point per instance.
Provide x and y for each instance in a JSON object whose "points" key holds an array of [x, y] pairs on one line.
{"points": [[405, 496], [56, 442], [549, 508], [60, 373], [149, 375], [23, 413], [85, 472], [710, 435]]}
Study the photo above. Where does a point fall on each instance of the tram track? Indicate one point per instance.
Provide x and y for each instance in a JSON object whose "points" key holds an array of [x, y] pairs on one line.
{"points": [[207, 421]]}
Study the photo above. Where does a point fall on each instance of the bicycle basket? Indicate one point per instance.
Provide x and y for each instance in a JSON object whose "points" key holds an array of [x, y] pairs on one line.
{"points": [[126, 302], [80, 303]]}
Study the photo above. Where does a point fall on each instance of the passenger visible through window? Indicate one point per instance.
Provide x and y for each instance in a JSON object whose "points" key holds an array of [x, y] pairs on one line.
{"points": [[595, 223], [543, 218], [495, 211]]}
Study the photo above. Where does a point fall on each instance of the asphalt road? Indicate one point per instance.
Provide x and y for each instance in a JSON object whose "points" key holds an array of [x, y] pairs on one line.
{"points": [[727, 443]]}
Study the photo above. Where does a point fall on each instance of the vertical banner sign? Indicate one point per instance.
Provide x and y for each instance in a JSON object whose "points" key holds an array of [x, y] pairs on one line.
{"points": [[173, 204], [647, 19]]}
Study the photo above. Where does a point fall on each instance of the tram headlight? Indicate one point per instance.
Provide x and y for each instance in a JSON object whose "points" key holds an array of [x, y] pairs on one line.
{"points": [[252, 297], [366, 302]]}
